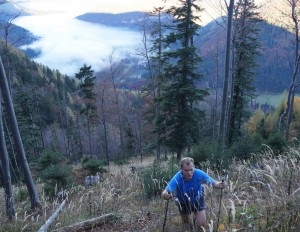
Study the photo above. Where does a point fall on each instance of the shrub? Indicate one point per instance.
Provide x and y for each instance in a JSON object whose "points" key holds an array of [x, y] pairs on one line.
{"points": [[93, 166], [245, 147], [56, 178], [155, 178], [54, 172], [277, 142], [202, 152], [48, 158], [207, 154]]}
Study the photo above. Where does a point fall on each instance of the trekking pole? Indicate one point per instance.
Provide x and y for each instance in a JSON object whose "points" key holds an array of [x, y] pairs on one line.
{"points": [[220, 203], [166, 213]]}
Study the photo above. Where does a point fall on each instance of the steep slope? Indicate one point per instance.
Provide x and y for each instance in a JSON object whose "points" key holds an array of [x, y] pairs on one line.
{"points": [[37, 83], [275, 65]]}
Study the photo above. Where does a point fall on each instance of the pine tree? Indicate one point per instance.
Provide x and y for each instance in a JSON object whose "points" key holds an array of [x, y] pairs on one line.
{"points": [[180, 113], [246, 48], [85, 75]]}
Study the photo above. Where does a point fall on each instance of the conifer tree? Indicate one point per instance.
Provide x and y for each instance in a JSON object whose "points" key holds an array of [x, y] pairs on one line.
{"points": [[180, 113], [246, 47], [85, 75]]}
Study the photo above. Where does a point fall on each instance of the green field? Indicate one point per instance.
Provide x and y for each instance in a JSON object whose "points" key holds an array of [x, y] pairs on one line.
{"points": [[271, 99]]}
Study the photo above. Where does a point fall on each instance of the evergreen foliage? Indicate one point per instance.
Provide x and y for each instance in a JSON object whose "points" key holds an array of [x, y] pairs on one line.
{"points": [[205, 152], [277, 142], [54, 172], [246, 47], [179, 113], [93, 166], [88, 108], [86, 78], [244, 147]]}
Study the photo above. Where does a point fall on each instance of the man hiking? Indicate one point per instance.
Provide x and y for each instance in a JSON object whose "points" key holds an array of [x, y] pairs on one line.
{"points": [[187, 186]]}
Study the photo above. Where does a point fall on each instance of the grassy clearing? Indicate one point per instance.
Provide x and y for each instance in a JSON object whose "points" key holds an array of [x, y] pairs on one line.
{"points": [[270, 99], [260, 196]]}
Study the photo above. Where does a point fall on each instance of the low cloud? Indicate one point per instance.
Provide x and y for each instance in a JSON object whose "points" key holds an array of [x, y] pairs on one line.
{"points": [[67, 43]]}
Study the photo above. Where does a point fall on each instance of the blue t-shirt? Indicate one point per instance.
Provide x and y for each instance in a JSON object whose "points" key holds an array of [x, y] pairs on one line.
{"points": [[192, 189]]}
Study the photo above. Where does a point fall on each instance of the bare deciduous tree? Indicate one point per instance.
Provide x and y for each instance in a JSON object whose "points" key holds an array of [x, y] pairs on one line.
{"points": [[294, 6], [223, 122]]}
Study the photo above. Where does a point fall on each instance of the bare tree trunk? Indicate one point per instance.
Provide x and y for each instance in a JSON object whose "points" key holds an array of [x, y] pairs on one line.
{"points": [[5, 171], [79, 135], [214, 116], [287, 114], [89, 135], [155, 79], [114, 71], [139, 125], [17, 137], [12, 149], [104, 125], [227, 73]]}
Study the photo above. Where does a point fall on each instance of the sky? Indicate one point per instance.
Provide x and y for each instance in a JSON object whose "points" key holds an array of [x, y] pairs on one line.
{"points": [[76, 7]]}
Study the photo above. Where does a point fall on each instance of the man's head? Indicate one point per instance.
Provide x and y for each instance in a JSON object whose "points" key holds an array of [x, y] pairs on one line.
{"points": [[187, 167]]}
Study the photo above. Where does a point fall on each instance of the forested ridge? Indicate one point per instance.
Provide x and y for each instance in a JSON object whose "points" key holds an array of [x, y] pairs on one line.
{"points": [[189, 92], [276, 62]]}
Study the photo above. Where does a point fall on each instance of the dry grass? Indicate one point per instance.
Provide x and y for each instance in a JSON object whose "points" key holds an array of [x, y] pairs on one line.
{"points": [[261, 198]]}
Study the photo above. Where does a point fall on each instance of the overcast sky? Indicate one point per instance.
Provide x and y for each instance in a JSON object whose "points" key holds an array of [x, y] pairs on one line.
{"points": [[77, 7]]}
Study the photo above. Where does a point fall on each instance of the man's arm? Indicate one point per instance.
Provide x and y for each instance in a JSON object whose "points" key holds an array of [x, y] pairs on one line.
{"points": [[170, 188]]}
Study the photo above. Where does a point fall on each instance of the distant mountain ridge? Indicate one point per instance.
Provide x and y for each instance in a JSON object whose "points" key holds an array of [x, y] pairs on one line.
{"points": [[275, 65], [129, 19]]}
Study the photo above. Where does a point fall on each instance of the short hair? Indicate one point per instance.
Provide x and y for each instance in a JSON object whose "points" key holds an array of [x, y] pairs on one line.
{"points": [[186, 161]]}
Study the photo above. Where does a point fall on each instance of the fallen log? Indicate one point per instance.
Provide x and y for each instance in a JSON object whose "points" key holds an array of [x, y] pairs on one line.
{"points": [[52, 218], [88, 224]]}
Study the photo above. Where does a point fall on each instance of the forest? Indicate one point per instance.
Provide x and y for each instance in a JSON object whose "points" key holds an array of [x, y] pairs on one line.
{"points": [[130, 132]]}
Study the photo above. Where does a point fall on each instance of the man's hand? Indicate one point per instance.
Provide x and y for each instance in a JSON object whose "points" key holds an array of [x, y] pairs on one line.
{"points": [[222, 184], [219, 184], [166, 195]]}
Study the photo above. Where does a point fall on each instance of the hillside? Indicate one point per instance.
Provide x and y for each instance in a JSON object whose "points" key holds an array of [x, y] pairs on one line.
{"points": [[130, 20], [41, 97], [256, 198], [275, 64]]}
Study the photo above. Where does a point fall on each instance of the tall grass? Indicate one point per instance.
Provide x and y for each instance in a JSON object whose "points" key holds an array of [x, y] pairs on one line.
{"points": [[261, 195]]}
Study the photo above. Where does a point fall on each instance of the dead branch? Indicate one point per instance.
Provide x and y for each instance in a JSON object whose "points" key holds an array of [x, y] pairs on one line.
{"points": [[88, 224], [52, 218]]}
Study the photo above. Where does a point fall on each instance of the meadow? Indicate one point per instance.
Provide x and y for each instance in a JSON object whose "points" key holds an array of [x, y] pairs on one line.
{"points": [[270, 99], [262, 194]]}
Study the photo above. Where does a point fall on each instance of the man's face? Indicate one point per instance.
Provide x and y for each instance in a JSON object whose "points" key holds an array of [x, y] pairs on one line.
{"points": [[188, 170]]}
